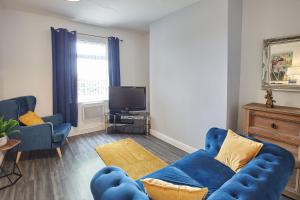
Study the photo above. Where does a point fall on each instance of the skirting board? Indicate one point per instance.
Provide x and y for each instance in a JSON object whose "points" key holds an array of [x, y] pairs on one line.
{"points": [[172, 141], [84, 130]]}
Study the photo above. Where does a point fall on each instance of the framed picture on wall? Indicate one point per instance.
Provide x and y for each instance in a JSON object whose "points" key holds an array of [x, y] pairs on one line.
{"points": [[281, 64]]}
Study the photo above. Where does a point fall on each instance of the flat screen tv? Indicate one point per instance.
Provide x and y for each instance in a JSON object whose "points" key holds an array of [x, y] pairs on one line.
{"points": [[127, 98]]}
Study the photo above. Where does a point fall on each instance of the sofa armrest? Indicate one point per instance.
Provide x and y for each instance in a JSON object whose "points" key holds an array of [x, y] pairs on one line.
{"points": [[34, 137], [112, 183], [54, 119], [265, 177]]}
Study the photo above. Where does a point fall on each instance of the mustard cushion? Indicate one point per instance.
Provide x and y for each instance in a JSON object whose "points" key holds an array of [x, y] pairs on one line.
{"points": [[237, 151], [30, 119], [161, 190]]}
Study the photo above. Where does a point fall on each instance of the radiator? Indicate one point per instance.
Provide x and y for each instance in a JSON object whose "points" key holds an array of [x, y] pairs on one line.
{"points": [[93, 112]]}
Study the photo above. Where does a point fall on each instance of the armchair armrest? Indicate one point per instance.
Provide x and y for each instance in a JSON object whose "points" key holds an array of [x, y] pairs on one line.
{"points": [[34, 137], [54, 119], [112, 183]]}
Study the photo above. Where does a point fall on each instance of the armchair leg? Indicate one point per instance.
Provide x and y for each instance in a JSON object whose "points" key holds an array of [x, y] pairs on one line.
{"points": [[18, 156], [59, 152]]}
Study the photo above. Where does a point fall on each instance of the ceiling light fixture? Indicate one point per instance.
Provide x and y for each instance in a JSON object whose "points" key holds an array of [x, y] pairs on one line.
{"points": [[73, 0]]}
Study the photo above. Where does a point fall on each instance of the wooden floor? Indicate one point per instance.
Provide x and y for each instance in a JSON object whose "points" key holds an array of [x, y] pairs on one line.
{"points": [[48, 177]]}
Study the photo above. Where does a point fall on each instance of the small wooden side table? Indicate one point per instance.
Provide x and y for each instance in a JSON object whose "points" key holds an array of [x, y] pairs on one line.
{"points": [[15, 174]]}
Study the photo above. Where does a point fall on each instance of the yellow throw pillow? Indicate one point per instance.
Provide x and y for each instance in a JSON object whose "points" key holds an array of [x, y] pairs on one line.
{"points": [[30, 119], [161, 190], [237, 151]]}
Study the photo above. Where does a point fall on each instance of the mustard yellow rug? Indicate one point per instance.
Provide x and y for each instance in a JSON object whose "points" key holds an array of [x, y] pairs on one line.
{"points": [[131, 157]]}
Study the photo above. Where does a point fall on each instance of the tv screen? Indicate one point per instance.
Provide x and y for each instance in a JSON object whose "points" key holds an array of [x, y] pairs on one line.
{"points": [[127, 98]]}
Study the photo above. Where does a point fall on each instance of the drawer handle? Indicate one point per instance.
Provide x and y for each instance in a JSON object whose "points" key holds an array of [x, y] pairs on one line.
{"points": [[274, 126]]}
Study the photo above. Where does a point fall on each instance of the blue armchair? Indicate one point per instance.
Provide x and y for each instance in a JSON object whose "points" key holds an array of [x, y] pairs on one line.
{"points": [[50, 135]]}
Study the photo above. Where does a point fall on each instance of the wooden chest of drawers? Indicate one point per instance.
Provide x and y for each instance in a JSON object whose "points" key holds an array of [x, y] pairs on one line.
{"points": [[279, 125]]}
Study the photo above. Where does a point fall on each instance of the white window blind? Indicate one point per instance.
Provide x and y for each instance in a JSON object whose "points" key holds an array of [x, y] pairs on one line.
{"points": [[92, 70]]}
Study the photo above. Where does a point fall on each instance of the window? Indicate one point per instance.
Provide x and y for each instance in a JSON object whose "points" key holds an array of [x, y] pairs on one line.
{"points": [[92, 70]]}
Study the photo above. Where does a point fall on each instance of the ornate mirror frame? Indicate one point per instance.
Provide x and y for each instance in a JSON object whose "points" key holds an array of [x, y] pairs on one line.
{"points": [[266, 64]]}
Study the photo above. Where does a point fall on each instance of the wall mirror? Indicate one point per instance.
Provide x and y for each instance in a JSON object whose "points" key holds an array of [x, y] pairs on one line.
{"points": [[281, 64]]}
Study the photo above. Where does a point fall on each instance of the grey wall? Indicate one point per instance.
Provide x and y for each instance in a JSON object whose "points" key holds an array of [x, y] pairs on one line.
{"points": [[263, 19], [188, 72], [234, 60]]}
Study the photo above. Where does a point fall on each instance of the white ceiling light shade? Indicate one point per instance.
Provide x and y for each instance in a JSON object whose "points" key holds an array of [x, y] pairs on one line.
{"points": [[73, 0]]}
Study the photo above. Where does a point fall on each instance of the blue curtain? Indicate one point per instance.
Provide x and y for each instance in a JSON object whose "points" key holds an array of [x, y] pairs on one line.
{"points": [[114, 61], [64, 61]]}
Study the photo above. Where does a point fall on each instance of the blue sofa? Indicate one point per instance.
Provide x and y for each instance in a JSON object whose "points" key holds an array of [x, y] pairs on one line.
{"points": [[50, 135], [263, 178]]}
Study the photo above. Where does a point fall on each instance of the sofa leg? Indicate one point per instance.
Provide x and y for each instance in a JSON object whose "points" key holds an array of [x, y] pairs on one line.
{"points": [[59, 152], [18, 156]]}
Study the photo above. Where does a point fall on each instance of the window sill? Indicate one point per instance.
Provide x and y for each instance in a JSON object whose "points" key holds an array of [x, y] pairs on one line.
{"points": [[92, 102]]}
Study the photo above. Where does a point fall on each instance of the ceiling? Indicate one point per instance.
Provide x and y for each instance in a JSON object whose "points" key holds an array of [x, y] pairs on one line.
{"points": [[132, 14]]}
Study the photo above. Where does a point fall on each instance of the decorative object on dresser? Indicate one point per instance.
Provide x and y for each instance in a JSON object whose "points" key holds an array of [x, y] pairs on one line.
{"points": [[269, 96], [279, 125]]}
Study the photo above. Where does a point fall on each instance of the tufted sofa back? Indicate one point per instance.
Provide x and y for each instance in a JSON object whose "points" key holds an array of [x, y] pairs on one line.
{"points": [[214, 140], [269, 171], [112, 183]]}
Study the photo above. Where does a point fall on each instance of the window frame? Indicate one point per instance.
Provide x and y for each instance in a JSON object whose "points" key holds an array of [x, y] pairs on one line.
{"points": [[89, 39]]}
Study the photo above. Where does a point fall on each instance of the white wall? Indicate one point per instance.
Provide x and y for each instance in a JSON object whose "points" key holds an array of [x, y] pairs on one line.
{"points": [[26, 62], [264, 19], [1, 81], [188, 72]]}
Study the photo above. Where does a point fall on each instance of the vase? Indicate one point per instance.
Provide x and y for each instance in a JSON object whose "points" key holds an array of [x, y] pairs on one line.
{"points": [[3, 141]]}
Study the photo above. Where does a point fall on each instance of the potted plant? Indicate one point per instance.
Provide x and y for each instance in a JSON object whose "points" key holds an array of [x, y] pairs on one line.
{"points": [[6, 128]]}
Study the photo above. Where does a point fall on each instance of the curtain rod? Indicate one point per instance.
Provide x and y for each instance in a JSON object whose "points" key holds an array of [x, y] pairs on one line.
{"points": [[99, 36]]}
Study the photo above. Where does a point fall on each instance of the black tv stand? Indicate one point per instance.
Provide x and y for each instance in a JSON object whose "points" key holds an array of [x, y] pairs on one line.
{"points": [[127, 122], [129, 113]]}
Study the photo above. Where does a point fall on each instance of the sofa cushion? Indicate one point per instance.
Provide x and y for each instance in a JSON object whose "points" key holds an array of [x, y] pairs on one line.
{"points": [[173, 175], [198, 169], [204, 169], [31, 119], [161, 190], [60, 132], [237, 151]]}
